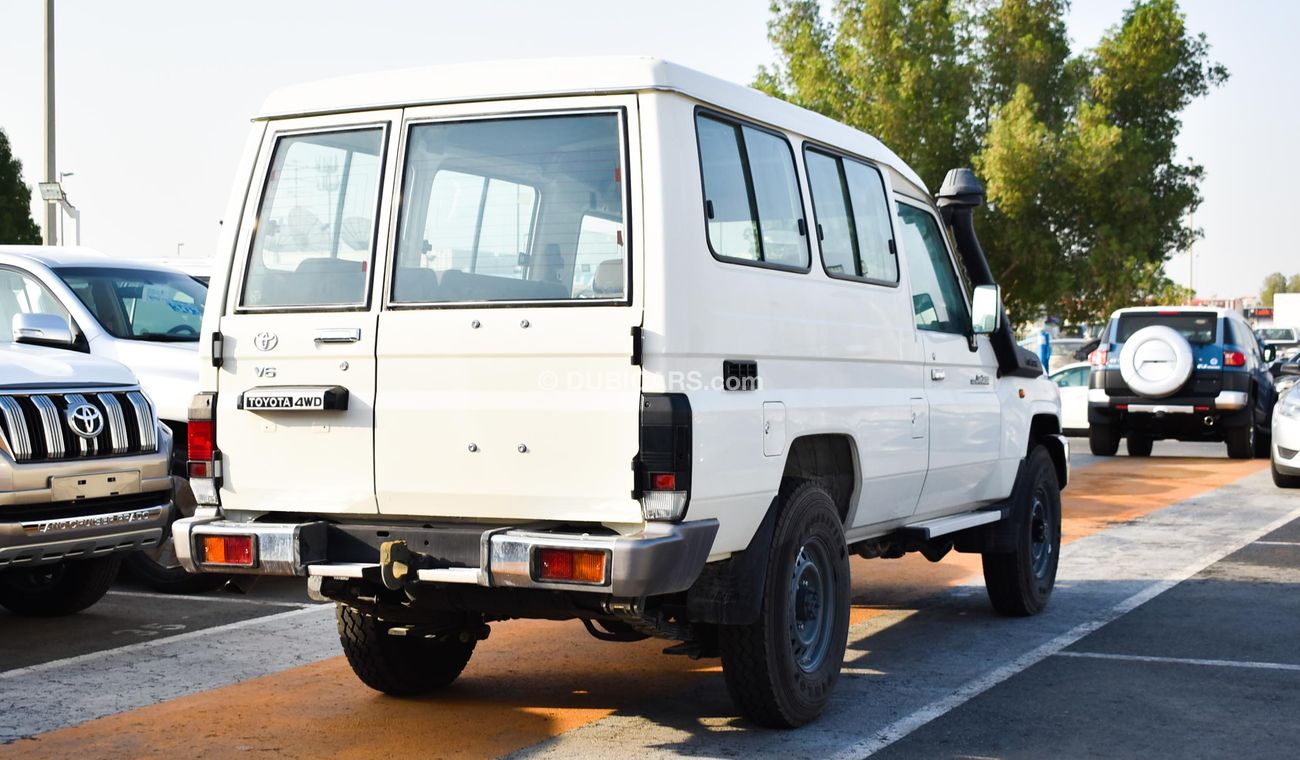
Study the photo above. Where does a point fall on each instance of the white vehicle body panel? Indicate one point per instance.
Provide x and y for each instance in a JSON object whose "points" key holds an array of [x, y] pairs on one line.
{"points": [[464, 412], [1286, 435]]}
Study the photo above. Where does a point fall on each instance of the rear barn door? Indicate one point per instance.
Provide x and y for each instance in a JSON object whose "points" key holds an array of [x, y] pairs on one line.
{"points": [[296, 386]]}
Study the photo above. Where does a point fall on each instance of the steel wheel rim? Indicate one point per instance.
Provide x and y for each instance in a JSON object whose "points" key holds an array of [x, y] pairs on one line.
{"points": [[810, 606], [1041, 540]]}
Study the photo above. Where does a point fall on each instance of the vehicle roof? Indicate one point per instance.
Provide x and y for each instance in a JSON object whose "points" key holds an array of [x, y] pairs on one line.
{"points": [[550, 77], [1167, 309], [75, 256]]}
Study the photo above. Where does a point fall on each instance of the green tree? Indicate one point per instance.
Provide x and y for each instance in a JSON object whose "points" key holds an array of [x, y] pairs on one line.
{"points": [[1293, 284], [16, 224], [1273, 284], [1086, 197]]}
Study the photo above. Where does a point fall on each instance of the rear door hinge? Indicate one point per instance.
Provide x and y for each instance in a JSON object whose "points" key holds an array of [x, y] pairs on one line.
{"points": [[636, 345], [218, 348]]}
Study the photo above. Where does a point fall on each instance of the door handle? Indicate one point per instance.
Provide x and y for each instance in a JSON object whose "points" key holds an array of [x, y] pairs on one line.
{"points": [[937, 374], [338, 335]]}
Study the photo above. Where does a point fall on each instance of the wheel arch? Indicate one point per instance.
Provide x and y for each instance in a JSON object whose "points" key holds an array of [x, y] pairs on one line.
{"points": [[1045, 431]]}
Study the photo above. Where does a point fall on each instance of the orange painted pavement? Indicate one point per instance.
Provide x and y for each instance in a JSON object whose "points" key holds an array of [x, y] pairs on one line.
{"points": [[535, 679]]}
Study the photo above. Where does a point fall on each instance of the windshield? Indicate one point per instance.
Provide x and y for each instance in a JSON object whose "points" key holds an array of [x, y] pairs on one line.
{"points": [[1196, 327], [1276, 333], [140, 304]]}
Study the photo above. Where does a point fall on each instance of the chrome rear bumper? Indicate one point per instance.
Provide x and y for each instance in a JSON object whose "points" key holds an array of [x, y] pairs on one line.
{"points": [[662, 558]]}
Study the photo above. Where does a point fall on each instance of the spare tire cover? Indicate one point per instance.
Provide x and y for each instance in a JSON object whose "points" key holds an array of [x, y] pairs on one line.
{"points": [[1156, 361]]}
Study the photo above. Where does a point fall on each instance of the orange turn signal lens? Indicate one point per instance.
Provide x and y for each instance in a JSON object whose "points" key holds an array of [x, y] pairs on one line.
{"points": [[236, 551], [571, 565]]}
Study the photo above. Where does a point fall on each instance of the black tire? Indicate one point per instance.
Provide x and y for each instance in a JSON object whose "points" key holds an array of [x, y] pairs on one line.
{"points": [[1020, 582], [1138, 445], [781, 668], [1282, 480], [56, 590], [398, 665], [157, 566], [1240, 441], [1103, 440]]}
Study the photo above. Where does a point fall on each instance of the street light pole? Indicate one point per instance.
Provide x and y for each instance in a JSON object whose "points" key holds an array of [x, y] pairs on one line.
{"points": [[51, 174]]}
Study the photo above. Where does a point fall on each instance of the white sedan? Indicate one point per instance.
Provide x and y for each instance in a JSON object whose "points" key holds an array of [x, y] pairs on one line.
{"points": [[1072, 380], [1286, 440]]}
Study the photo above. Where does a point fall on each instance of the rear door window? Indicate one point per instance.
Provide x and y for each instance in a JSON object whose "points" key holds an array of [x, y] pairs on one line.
{"points": [[752, 201], [315, 233], [1198, 328], [513, 210]]}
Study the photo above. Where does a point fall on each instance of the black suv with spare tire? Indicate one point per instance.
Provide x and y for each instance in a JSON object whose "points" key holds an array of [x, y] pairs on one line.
{"points": [[1186, 373]]}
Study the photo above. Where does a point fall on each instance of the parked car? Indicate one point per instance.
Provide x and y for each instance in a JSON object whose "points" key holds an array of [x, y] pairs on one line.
{"points": [[84, 470], [144, 316], [1286, 373], [1072, 381], [1284, 340], [1186, 373], [1285, 453], [617, 370]]}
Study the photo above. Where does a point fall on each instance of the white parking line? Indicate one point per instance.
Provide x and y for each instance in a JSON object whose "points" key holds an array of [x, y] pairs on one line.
{"points": [[1182, 661], [129, 648], [1277, 543], [909, 723], [213, 598]]}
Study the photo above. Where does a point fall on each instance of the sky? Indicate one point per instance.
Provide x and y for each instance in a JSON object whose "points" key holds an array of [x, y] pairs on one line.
{"points": [[154, 97]]}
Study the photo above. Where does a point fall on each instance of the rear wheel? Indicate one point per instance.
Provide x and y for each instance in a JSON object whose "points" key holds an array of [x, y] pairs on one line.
{"points": [[1103, 440], [1020, 582], [1241, 441], [1139, 445], [1283, 480], [781, 668], [399, 665], [54, 590]]}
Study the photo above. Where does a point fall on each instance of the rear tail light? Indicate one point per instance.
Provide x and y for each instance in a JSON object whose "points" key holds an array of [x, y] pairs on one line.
{"points": [[663, 466], [571, 565], [1100, 357], [204, 461], [1234, 359], [232, 551]]}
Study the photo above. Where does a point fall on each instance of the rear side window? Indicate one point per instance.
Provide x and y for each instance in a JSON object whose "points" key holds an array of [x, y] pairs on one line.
{"points": [[751, 195], [852, 215], [1197, 327], [514, 209], [316, 227]]}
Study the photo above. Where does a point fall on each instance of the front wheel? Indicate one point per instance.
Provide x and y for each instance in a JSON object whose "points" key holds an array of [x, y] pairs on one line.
{"points": [[1103, 440], [1240, 441], [1139, 445], [1020, 582], [781, 668], [55, 590], [399, 665]]}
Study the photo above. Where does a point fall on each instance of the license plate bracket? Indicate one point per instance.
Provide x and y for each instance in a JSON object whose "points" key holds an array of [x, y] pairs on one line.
{"points": [[98, 485]]}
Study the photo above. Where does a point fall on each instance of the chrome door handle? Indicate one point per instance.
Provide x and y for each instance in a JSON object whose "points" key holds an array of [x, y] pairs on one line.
{"points": [[937, 374], [338, 335]]}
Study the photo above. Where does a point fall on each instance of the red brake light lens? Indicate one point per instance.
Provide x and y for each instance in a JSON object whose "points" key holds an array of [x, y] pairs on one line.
{"points": [[200, 440], [662, 481], [228, 550], [1234, 359], [580, 565], [1099, 357]]}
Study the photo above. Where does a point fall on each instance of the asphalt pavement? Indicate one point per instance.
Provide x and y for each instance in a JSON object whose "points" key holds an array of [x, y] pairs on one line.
{"points": [[1171, 634]]}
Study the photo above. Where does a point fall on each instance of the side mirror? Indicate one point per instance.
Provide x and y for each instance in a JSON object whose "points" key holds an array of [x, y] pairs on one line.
{"points": [[986, 309], [42, 330], [1270, 353]]}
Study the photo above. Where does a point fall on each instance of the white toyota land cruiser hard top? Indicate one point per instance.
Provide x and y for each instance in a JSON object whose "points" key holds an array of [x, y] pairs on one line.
{"points": [[607, 340]]}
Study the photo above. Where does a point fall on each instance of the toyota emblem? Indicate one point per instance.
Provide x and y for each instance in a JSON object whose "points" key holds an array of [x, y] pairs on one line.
{"points": [[265, 341], [86, 420]]}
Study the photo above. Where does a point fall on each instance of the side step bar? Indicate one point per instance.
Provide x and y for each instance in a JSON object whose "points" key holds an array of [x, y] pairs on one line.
{"points": [[942, 526]]}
